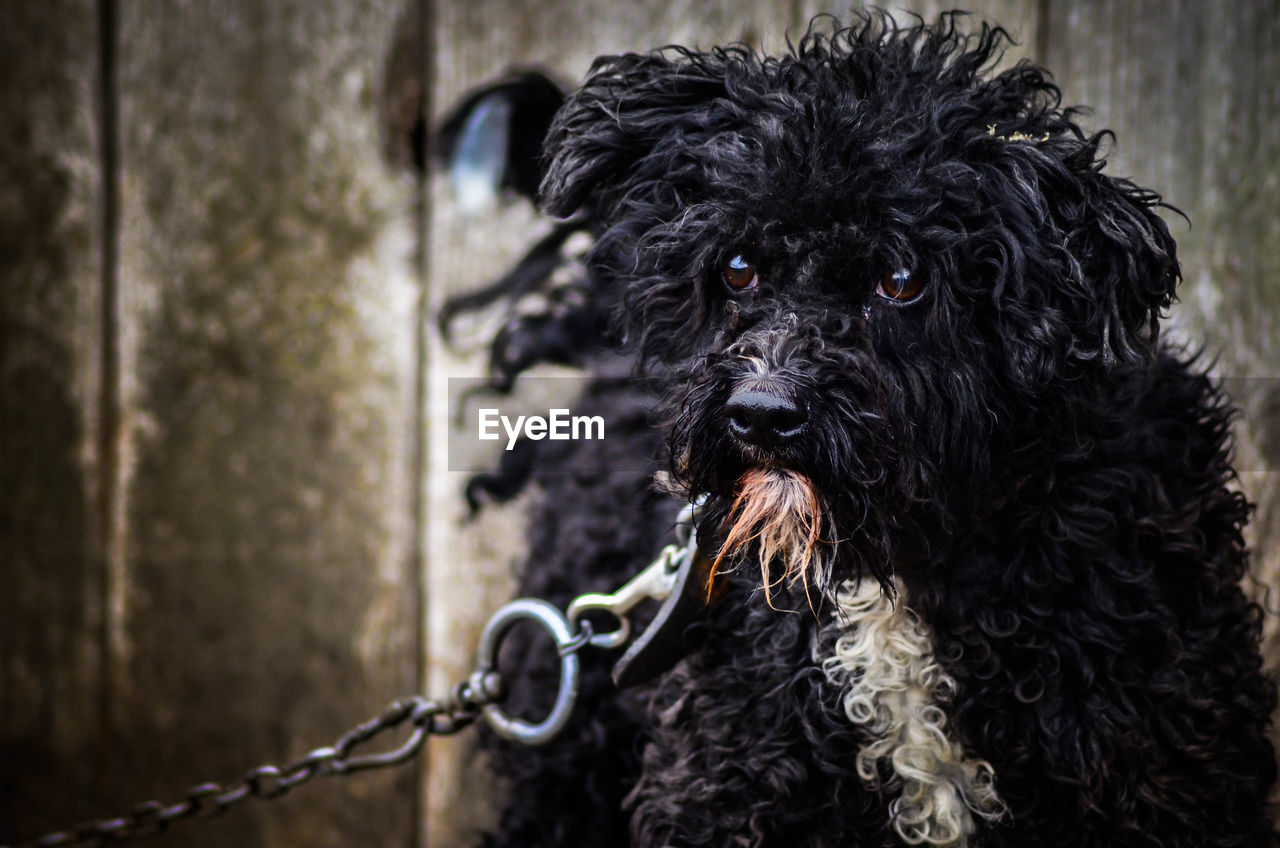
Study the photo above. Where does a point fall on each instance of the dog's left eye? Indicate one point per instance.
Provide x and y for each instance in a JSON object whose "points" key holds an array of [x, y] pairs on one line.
{"points": [[899, 286], [738, 274]]}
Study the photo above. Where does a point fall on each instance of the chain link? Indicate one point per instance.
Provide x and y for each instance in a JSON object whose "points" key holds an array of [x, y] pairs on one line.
{"points": [[426, 716]]}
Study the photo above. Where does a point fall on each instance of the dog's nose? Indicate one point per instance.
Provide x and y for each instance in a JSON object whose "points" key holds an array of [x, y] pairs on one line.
{"points": [[764, 418]]}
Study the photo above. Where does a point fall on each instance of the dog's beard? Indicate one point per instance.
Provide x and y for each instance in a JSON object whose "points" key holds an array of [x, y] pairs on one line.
{"points": [[776, 515]]}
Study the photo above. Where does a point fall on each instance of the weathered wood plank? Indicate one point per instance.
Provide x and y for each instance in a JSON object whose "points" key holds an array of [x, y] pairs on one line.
{"points": [[1193, 95], [1248, 176], [268, 333], [51, 590], [1236, 299]]}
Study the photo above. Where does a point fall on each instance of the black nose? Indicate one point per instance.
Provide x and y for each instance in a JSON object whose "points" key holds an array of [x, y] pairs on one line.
{"points": [[762, 418]]}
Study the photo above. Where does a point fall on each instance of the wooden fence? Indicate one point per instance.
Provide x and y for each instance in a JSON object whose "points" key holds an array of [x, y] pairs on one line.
{"points": [[228, 530]]}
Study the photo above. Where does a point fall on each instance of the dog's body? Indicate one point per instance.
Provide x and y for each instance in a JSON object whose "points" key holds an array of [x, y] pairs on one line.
{"points": [[977, 563]]}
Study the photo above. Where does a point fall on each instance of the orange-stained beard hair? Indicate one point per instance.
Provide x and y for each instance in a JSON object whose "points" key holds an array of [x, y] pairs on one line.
{"points": [[777, 511]]}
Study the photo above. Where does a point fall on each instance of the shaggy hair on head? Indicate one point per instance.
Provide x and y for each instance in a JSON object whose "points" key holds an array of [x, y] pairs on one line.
{"points": [[978, 549]]}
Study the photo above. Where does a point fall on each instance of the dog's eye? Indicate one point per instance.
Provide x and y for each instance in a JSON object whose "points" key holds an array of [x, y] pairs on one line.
{"points": [[899, 285], [738, 274]]}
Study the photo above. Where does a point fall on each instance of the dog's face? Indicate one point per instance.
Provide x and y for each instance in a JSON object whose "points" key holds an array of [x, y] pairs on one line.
{"points": [[867, 270]]}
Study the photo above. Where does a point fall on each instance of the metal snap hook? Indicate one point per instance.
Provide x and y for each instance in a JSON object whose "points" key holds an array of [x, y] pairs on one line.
{"points": [[518, 730], [654, 583]]}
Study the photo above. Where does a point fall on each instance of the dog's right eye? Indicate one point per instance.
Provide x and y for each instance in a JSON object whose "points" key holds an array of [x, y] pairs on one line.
{"points": [[899, 286], [738, 274]]}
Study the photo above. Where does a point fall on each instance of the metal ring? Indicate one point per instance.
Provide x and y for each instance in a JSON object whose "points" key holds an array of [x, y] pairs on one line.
{"points": [[557, 625]]}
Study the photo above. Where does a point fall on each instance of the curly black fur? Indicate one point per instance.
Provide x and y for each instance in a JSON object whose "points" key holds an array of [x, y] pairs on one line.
{"points": [[1046, 482]]}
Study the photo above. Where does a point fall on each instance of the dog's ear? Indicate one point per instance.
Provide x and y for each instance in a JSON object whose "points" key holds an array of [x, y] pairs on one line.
{"points": [[617, 120], [493, 138], [1123, 268]]}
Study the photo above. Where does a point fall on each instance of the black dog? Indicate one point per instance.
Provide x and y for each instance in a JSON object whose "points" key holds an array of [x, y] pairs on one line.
{"points": [[976, 554]]}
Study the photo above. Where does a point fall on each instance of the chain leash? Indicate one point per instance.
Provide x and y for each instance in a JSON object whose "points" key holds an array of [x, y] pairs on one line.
{"points": [[478, 696], [426, 716]]}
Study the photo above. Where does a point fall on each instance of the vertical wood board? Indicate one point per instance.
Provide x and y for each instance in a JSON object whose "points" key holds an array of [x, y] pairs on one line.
{"points": [[51, 594], [268, 325]]}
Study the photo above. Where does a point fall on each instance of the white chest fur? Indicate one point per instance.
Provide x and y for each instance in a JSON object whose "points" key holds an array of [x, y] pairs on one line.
{"points": [[895, 690]]}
